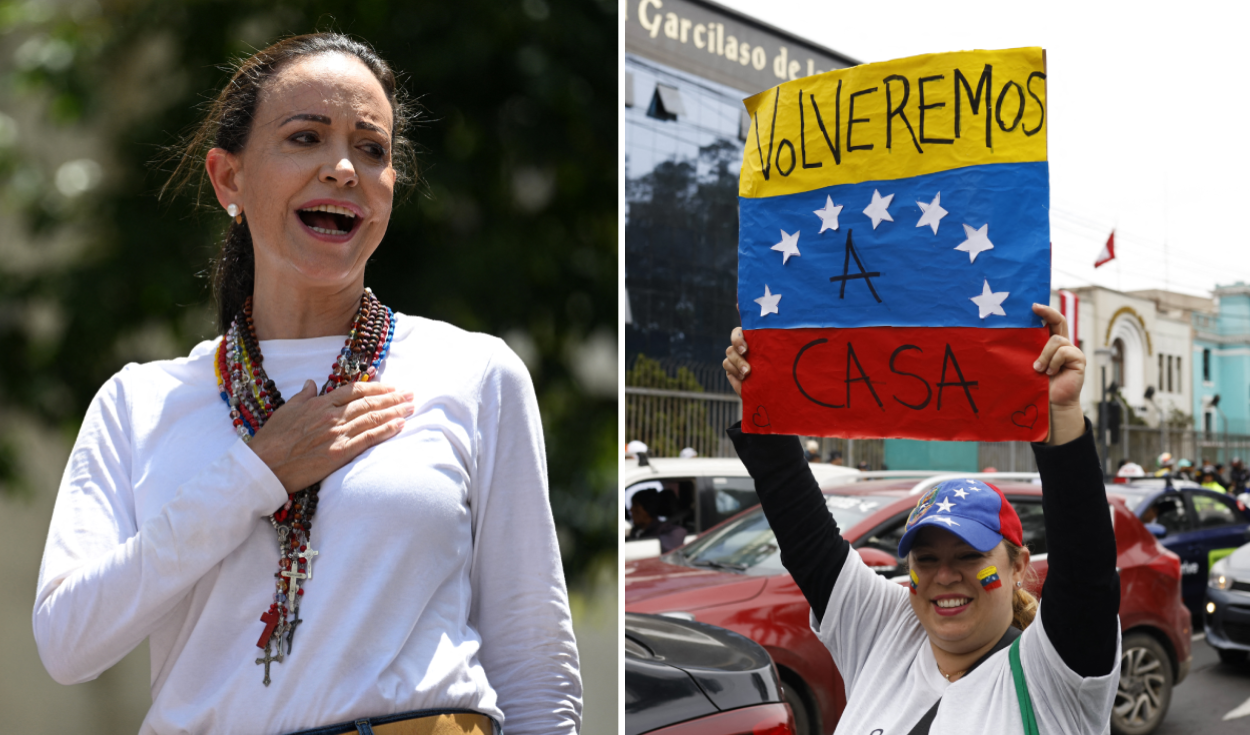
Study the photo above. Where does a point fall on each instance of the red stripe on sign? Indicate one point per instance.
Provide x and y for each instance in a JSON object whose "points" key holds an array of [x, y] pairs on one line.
{"points": [[950, 383]]}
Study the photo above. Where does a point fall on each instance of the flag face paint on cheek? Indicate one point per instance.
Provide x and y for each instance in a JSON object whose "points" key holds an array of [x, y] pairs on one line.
{"points": [[914, 580], [989, 578]]}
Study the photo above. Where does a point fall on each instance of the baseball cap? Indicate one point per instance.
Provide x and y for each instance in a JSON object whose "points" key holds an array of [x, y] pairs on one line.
{"points": [[975, 511]]}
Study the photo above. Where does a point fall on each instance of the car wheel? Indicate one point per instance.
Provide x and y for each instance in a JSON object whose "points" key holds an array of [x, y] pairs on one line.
{"points": [[1232, 655], [804, 723], [1145, 690]]}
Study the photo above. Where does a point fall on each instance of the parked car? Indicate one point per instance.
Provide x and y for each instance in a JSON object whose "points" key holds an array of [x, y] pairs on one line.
{"points": [[1200, 526], [1227, 608], [732, 576], [704, 492], [689, 678]]}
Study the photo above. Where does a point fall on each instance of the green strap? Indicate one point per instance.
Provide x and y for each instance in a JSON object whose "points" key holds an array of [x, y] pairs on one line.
{"points": [[1022, 691]]}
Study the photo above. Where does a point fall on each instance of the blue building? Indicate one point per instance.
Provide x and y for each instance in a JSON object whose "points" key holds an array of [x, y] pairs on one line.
{"points": [[1221, 363]]}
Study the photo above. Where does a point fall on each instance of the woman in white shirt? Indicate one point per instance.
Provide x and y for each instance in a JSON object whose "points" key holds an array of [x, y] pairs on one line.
{"points": [[375, 556], [960, 651]]}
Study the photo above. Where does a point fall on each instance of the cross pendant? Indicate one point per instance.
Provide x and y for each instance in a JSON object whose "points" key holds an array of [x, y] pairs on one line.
{"points": [[293, 584], [307, 556], [268, 659], [290, 633], [270, 619]]}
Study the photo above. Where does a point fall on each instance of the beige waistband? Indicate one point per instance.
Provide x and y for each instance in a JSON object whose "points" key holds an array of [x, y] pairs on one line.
{"points": [[464, 723]]}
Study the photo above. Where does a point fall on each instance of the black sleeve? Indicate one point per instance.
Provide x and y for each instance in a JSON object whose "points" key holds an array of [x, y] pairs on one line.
{"points": [[1082, 590], [812, 549]]}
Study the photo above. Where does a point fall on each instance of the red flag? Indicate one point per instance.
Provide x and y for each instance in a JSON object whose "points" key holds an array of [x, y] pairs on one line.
{"points": [[906, 382], [1069, 303], [1108, 251]]}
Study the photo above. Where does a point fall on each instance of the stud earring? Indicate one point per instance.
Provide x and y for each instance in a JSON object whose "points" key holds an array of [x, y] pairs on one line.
{"points": [[1019, 584], [233, 210]]}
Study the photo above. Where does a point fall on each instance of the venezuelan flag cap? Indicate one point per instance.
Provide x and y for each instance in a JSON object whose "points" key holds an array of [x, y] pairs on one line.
{"points": [[975, 511]]}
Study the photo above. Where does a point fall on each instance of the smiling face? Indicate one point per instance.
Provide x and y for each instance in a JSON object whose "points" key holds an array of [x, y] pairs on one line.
{"points": [[315, 180], [956, 611]]}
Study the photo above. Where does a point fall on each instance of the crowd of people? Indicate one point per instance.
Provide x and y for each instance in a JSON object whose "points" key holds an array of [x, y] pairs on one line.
{"points": [[1232, 479]]}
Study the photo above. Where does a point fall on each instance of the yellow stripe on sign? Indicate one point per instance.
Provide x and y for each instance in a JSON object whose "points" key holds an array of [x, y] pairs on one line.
{"points": [[896, 119]]}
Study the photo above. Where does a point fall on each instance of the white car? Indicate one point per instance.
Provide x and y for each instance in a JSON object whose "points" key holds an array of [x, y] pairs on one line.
{"points": [[707, 491]]}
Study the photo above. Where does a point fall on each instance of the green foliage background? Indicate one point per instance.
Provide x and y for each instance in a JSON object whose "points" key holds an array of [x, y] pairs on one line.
{"points": [[513, 232]]}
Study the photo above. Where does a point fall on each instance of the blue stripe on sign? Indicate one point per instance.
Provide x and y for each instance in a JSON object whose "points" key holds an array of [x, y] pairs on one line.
{"points": [[924, 280]]}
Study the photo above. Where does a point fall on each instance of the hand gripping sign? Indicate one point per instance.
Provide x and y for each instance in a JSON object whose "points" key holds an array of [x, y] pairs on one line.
{"points": [[894, 235]]}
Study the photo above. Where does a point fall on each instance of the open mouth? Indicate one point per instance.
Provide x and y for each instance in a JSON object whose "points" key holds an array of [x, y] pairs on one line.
{"points": [[951, 605], [328, 219]]}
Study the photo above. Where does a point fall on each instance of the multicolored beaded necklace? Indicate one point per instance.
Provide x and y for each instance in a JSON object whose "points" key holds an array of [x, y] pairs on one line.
{"points": [[252, 398]]}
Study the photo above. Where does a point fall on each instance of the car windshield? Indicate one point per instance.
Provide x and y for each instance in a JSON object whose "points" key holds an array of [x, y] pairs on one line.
{"points": [[747, 544]]}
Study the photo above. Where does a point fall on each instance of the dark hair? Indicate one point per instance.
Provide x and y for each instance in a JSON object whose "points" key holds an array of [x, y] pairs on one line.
{"points": [[228, 124], [649, 499]]}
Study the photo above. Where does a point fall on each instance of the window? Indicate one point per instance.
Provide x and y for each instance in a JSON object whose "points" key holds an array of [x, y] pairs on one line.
{"points": [[629, 89], [1169, 512], [1032, 523], [666, 103], [1206, 421], [1206, 365], [1180, 377], [725, 497], [1213, 512], [1117, 363], [1160, 372], [1169, 373]]}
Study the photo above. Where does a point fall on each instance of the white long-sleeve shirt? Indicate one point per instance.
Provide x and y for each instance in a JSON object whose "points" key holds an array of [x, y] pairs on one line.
{"points": [[438, 581]]}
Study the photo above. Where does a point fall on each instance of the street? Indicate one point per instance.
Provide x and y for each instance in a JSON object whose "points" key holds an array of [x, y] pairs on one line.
{"points": [[1212, 692]]}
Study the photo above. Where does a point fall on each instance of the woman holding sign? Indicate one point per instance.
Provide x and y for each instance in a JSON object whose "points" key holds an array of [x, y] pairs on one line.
{"points": [[949, 655], [232, 503]]}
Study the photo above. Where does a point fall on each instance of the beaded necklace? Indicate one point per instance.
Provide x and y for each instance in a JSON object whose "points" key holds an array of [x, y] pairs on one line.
{"points": [[252, 398]]}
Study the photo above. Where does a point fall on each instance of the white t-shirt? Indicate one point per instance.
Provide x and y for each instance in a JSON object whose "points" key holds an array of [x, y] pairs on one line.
{"points": [[438, 583], [892, 679]]}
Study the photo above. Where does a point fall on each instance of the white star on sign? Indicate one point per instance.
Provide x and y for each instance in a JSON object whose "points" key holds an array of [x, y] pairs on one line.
{"points": [[945, 519], [828, 215], [877, 210], [989, 302], [768, 302], [933, 213], [789, 245], [945, 506], [961, 493], [978, 241]]}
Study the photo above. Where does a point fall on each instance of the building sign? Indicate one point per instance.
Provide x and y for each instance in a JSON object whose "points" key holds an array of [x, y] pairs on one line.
{"points": [[894, 235], [718, 44]]}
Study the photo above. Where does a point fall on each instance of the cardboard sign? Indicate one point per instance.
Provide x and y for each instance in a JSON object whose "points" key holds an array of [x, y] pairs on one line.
{"points": [[894, 234]]}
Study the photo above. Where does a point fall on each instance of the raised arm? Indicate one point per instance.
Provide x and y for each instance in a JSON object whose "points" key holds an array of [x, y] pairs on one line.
{"points": [[1081, 596], [812, 549]]}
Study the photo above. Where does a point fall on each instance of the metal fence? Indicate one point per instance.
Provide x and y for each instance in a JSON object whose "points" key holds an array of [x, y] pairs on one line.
{"points": [[1006, 456], [669, 421], [1143, 445]]}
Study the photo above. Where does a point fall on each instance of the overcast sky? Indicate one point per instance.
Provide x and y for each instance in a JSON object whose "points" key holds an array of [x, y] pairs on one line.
{"points": [[1145, 121]]}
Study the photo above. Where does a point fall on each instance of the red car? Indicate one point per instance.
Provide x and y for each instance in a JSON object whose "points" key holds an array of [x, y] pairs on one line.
{"points": [[731, 576]]}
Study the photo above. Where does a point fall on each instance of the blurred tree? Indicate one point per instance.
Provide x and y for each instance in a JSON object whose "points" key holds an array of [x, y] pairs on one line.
{"points": [[513, 231]]}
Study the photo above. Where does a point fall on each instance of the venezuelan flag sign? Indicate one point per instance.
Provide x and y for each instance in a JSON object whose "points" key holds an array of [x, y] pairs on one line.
{"points": [[894, 235]]}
